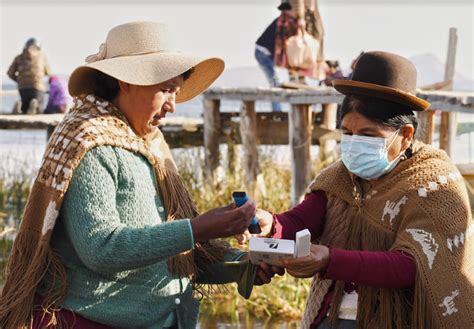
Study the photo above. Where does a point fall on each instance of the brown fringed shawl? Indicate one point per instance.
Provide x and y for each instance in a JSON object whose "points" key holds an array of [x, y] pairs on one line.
{"points": [[92, 122], [421, 207]]}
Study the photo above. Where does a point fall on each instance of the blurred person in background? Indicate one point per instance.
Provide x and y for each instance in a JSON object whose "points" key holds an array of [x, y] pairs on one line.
{"points": [[28, 70], [59, 100]]}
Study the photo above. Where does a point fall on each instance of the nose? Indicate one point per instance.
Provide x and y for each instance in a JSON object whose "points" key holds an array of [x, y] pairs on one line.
{"points": [[170, 104]]}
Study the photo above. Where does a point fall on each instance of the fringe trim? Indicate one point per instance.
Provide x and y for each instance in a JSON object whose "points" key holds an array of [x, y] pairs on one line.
{"points": [[26, 268], [422, 315], [378, 308]]}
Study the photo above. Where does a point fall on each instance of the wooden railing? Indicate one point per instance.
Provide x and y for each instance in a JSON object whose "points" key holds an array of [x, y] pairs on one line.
{"points": [[302, 127]]}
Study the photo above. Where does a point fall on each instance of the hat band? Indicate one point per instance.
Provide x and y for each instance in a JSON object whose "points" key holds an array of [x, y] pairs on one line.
{"points": [[102, 54]]}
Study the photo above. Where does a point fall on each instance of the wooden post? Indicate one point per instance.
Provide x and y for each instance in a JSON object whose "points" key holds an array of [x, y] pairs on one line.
{"points": [[300, 128], [248, 133], [448, 128], [451, 56], [212, 127], [49, 132], [329, 121], [427, 123]]}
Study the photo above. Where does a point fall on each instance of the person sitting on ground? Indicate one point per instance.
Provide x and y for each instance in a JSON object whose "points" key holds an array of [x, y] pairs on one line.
{"points": [[333, 72], [59, 100], [28, 70], [110, 237]]}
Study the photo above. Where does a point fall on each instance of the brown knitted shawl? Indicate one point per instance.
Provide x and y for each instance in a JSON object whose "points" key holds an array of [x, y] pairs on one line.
{"points": [[422, 208], [91, 122]]}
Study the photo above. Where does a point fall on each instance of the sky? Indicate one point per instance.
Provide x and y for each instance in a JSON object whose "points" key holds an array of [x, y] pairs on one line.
{"points": [[72, 29]]}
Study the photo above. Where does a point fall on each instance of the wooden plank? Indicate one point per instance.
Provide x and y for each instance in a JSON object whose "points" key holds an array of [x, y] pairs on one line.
{"points": [[211, 135], [451, 56], [29, 121], [189, 132], [248, 134], [327, 146], [449, 119], [426, 126], [311, 96], [448, 132], [440, 100], [443, 85], [300, 126]]}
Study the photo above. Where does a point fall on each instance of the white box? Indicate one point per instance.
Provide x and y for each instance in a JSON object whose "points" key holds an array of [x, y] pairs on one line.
{"points": [[303, 243], [272, 251]]}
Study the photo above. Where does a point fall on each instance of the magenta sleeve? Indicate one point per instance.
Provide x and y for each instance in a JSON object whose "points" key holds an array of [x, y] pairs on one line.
{"points": [[380, 269], [310, 214]]}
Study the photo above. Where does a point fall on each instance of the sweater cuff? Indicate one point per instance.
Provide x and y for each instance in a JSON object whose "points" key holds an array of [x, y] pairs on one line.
{"points": [[186, 240]]}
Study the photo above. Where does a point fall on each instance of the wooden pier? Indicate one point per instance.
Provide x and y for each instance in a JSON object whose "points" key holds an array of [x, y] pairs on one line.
{"points": [[303, 126]]}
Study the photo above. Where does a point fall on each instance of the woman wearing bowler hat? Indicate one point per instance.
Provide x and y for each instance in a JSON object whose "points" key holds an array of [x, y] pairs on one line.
{"points": [[391, 224], [110, 236]]}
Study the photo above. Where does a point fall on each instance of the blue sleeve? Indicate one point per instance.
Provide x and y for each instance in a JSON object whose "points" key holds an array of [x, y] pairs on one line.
{"points": [[103, 242]]}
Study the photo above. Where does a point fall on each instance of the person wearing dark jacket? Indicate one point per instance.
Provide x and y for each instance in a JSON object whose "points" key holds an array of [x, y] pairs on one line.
{"points": [[28, 71], [265, 52]]}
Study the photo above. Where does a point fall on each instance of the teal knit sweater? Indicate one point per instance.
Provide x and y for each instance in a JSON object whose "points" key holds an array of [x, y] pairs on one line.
{"points": [[114, 244]]}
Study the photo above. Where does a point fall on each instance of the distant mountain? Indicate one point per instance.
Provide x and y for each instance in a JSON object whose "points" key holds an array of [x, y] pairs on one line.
{"points": [[431, 70]]}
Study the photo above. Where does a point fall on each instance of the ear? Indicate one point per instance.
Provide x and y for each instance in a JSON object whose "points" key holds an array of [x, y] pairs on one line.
{"points": [[407, 132], [124, 87]]}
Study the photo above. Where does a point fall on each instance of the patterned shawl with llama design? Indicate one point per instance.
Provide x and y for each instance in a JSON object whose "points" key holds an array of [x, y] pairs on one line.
{"points": [[422, 208]]}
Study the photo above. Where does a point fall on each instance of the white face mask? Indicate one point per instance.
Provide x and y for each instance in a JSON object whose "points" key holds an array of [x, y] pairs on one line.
{"points": [[367, 157]]}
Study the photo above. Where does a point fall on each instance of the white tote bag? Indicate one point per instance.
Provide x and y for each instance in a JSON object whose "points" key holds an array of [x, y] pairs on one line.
{"points": [[302, 50]]}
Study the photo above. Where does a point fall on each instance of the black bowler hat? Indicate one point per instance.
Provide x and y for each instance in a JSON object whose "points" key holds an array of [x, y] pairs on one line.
{"points": [[284, 5], [384, 75]]}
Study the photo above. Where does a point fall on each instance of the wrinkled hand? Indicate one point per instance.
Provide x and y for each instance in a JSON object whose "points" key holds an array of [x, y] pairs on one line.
{"points": [[265, 221], [306, 267], [266, 272], [223, 222]]}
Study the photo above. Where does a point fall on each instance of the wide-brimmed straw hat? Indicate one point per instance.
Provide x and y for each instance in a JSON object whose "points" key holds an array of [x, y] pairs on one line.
{"points": [[384, 75], [140, 53]]}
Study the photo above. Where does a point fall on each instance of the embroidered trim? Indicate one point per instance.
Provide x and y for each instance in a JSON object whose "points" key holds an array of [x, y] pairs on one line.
{"points": [[428, 244]]}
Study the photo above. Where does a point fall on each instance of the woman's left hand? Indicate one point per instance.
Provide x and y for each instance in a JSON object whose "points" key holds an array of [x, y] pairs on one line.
{"points": [[266, 272], [306, 267]]}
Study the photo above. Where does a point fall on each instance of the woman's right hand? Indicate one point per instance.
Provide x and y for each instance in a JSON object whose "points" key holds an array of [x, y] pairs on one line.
{"points": [[223, 222], [265, 221]]}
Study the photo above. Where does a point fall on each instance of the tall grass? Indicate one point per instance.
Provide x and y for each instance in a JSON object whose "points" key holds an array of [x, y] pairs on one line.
{"points": [[282, 299], [14, 191]]}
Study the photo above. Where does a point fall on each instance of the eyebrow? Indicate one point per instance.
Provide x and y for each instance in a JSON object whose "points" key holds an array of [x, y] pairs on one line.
{"points": [[362, 130], [169, 84]]}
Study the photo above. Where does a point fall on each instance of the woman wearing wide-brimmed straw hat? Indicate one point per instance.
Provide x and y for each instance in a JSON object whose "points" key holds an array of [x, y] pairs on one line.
{"points": [[110, 236], [391, 222]]}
